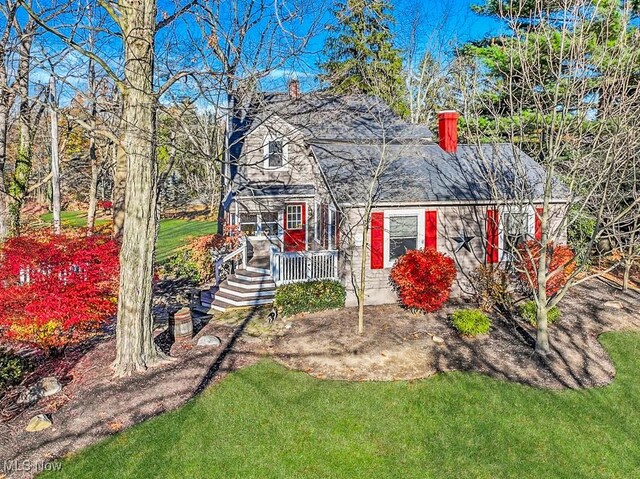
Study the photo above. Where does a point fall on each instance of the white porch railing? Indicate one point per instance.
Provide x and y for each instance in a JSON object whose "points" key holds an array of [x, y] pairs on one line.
{"points": [[294, 267], [239, 254]]}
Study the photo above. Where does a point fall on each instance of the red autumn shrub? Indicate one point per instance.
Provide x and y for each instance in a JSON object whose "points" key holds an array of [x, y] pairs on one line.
{"points": [[105, 205], [57, 290], [561, 264], [423, 279]]}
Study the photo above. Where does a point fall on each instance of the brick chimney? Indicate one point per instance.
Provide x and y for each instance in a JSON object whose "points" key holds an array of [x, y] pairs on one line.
{"points": [[448, 130], [294, 88]]}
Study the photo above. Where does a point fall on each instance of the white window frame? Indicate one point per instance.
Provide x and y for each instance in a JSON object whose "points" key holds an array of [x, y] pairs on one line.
{"points": [[302, 223], [285, 152], [331, 221], [503, 211], [388, 263]]}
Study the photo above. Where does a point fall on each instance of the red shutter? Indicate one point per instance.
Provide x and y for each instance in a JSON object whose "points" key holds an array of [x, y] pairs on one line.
{"points": [[493, 236], [538, 231], [431, 230], [377, 240]]}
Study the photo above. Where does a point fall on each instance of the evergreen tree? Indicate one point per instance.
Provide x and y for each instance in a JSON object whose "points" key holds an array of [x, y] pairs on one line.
{"points": [[361, 54]]}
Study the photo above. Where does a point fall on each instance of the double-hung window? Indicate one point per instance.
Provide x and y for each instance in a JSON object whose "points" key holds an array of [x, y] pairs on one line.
{"points": [[403, 235], [270, 224], [274, 153]]}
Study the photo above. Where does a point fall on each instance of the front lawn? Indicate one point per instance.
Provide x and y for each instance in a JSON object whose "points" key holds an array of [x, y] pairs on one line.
{"points": [[266, 421], [173, 233]]}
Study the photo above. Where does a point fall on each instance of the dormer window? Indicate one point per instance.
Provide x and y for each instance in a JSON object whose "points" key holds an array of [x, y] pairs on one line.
{"points": [[275, 153]]}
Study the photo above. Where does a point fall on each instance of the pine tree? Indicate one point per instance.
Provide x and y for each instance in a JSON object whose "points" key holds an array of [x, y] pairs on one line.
{"points": [[361, 54]]}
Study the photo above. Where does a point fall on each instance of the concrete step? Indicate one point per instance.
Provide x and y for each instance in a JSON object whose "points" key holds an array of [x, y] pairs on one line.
{"points": [[231, 300], [256, 269], [245, 293], [247, 275], [242, 283]]}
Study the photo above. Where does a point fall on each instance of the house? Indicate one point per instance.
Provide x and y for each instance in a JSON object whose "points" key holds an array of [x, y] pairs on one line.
{"points": [[305, 170]]}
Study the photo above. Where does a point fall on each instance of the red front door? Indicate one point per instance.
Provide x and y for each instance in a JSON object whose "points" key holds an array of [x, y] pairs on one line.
{"points": [[295, 227]]}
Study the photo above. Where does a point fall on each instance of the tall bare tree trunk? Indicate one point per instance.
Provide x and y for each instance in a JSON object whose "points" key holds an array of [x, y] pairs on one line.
{"points": [[362, 286], [93, 157], [22, 172], [4, 213], [55, 159], [135, 349]]}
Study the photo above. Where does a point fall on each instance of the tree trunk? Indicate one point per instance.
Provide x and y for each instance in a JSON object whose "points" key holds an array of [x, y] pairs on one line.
{"points": [[55, 160], [22, 171], [93, 157], [627, 273], [363, 273], [542, 333], [4, 213], [135, 348], [93, 188], [118, 195]]}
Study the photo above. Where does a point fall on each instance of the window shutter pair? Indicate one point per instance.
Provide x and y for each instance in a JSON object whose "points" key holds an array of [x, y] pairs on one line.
{"points": [[377, 236]]}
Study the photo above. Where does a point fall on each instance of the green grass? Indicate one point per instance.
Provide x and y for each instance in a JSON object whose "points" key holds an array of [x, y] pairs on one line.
{"points": [[267, 422], [76, 219], [173, 233]]}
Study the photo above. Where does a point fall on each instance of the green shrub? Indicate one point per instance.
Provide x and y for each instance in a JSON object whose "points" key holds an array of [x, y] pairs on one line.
{"points": [[12, 368], [471, 322], [529, 309], [182, 266], [309, 297]]}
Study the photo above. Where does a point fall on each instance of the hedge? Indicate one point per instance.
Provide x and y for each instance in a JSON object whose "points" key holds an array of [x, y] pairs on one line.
{"points": [[309, 297]]}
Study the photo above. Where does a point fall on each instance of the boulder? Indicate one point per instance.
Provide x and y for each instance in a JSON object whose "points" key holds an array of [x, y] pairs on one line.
{"points": [[45, 387], [39, 423], [437, 339], [50, 386], [209, 340]]}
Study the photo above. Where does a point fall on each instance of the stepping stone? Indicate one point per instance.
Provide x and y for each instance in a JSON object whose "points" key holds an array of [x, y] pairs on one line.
{"points": [[209, 340], [39, 423]]}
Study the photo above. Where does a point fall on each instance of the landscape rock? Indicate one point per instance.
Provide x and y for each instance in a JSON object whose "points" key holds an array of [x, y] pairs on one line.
{"points": [[39, 423], [50, 386], [209, 340], [45, 387], [613, 304], [437, 339]]}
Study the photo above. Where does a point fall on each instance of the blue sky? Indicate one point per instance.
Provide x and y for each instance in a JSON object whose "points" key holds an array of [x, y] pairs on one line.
{"points": [[441, 25]]}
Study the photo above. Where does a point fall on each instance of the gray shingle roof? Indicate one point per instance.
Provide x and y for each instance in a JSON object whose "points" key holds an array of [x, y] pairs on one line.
{"points": [[322, 117], [426, 173]]}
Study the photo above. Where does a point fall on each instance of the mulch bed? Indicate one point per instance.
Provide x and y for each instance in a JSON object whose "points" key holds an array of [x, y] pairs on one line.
{"points": [[396, 345]]}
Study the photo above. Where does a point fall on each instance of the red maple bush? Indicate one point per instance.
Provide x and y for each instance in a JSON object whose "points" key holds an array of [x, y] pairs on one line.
{"points": [[561, 264], [57, 290], [423, 279]]}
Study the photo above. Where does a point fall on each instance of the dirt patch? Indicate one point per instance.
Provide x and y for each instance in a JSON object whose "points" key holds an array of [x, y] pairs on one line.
{"points": [[398, 345]]}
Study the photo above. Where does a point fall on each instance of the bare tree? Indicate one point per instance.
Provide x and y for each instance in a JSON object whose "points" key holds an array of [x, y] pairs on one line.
{"points": [[568, 104]]}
